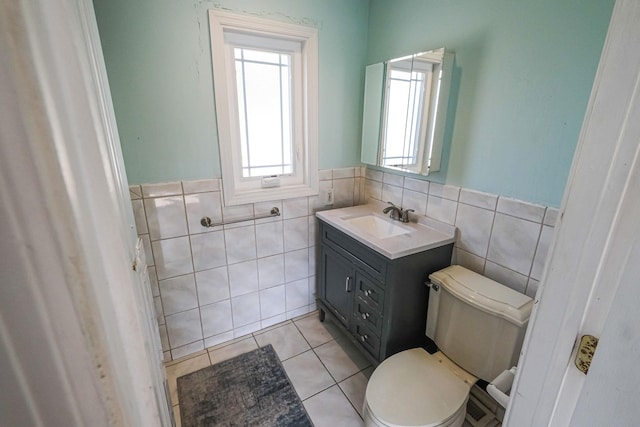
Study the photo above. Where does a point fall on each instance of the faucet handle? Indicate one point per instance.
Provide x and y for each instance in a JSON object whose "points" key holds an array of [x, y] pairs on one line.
{"points": [[389, 208], [405, 215]]}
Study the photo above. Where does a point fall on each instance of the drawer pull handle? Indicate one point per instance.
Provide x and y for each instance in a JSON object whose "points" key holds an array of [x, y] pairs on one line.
{"points": [[365, 316], [346, 284], [364, 337], [367, 292]]}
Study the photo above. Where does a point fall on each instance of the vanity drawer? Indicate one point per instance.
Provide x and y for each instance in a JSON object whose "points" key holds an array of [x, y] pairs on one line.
{"points": [[367, 338], [368, 316], [368, 260], [370, 292]]}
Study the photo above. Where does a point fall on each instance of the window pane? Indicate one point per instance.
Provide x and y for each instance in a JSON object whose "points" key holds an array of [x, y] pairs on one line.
{"points": [[285, 84], [396, 122], [241, 108], [267, 170], [262, 56], [265, 113], [413, 121], [404, 109]]}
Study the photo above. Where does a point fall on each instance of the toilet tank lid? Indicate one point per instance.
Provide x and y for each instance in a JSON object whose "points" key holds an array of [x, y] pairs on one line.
{"points": [[484, 293]]}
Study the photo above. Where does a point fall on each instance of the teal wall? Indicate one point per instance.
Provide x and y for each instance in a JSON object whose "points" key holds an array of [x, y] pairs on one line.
{"points": [[522, 79], [158, 59]]}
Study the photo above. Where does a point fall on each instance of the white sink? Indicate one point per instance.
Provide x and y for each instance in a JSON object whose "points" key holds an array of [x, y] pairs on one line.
{"points": [[393, 239], [379, 227]]}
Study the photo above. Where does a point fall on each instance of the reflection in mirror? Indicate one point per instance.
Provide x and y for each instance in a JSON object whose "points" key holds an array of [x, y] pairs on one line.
{"points": [[404, 111]]}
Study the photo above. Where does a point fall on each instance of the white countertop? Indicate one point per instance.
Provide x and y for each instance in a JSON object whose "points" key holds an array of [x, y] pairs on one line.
{"points": [[420, 236]]}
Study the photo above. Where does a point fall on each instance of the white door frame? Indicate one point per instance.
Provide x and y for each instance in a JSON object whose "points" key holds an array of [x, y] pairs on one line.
{"points": [[73, 339], [67, 305], [595, 233]]}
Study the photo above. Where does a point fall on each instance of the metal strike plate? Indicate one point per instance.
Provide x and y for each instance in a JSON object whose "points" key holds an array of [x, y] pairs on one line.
{"points": [[586, 350]]}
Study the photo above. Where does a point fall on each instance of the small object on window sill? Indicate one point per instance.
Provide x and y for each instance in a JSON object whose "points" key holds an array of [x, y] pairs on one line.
{"points": [[270, 181]]}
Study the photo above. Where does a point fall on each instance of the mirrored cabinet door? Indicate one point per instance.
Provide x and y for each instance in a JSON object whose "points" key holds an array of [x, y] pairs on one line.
{"points": [[405, 108]]}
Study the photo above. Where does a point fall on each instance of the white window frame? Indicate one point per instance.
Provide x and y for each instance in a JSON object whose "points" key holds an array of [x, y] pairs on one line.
{"points": [[304, 181]]}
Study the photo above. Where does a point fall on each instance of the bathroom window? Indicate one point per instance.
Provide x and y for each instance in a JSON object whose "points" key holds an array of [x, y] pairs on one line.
{"points": [[263, 88], [265, 81]]}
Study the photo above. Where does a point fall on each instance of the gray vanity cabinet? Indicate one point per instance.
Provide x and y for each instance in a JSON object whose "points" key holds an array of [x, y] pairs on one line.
{"points": [[379, 302], [338, 270]]}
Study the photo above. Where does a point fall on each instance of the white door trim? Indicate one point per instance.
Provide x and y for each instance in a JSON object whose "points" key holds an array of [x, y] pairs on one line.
{"points": [[592, 233], [73, 338]]}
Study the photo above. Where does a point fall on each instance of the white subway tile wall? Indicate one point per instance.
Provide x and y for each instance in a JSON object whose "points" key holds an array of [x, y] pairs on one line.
{"points": [[502, 238], [211, 285]]}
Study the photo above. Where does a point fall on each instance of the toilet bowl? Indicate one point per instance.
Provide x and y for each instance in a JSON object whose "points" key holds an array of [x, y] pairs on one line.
{"points": [[477, 324], [415, 388]]}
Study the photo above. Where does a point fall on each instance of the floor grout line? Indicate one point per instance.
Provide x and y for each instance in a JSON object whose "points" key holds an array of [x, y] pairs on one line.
{"points": [[318, 392], [334, 382], [350, 402]]}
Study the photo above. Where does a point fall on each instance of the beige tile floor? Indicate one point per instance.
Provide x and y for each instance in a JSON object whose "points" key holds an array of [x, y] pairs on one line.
{"points": [[327, 371], [329, 374]]}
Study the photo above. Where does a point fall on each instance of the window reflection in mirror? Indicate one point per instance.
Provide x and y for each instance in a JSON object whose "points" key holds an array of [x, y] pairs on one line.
{"points": [[411, 106]]}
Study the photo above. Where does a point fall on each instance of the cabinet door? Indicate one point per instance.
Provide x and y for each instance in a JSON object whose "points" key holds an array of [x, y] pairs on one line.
{"points": [[337, 284]]}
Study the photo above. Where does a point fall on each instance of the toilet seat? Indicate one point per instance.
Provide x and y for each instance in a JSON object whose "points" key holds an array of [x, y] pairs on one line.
{"points": [[414, 388]]}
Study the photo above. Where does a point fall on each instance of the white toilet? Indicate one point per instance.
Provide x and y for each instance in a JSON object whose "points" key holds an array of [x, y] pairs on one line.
{"points": [[478, 326]]}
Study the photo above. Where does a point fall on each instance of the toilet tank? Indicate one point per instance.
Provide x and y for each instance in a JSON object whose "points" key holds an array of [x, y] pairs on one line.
{"points": [[476, 322]]}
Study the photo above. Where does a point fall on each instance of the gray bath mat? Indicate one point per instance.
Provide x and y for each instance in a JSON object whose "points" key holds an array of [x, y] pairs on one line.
{"points": [[249, 390]]}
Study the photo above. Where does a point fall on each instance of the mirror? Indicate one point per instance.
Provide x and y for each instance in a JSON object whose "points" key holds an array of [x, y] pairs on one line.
{"points": [[405, 107]]}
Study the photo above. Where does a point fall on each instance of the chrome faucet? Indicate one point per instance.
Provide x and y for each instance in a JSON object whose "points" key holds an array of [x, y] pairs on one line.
{"points": [[397, 213]]}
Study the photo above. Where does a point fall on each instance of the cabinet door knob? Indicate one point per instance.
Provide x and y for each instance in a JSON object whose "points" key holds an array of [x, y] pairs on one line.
{"points": [[367, 292], [365, 316], [364, 337], [346, 284]]}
